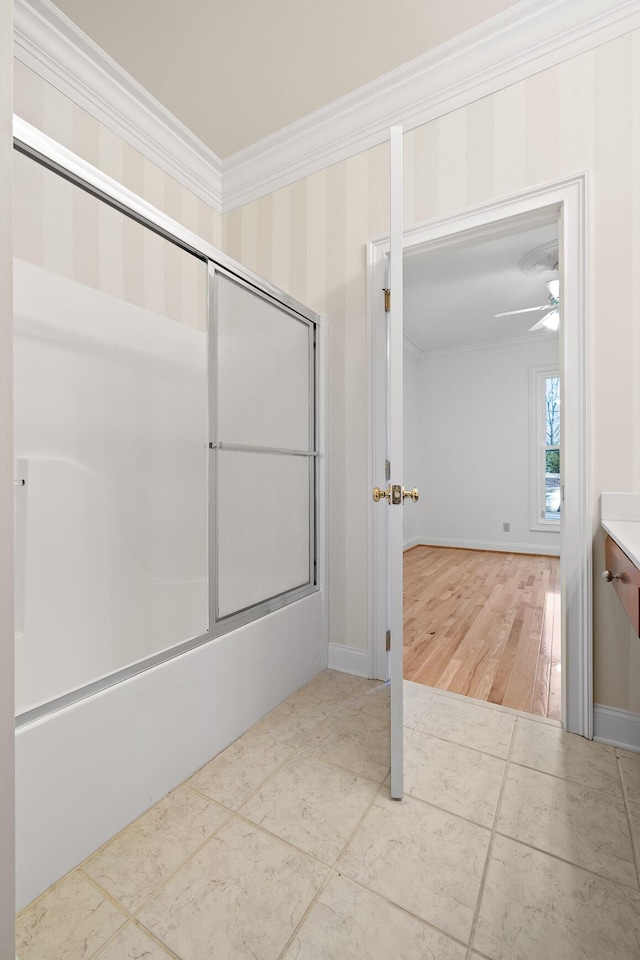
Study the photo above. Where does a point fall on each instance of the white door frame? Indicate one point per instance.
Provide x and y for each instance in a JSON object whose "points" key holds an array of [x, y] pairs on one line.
{"points": [[567, 199]]}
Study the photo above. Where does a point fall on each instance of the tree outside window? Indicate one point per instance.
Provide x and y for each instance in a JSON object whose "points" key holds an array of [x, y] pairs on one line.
{"points": [[552, 448]]}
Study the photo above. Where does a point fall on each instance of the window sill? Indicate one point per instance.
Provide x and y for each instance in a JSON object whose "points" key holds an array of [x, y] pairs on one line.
{"points": [[545, 526]]}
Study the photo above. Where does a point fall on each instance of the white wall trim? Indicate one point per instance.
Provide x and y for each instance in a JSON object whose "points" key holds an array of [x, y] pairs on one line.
{"points": [[349, 660], [495, 546], [518, 43], [523, 40], [51, 45], [620, 728]]}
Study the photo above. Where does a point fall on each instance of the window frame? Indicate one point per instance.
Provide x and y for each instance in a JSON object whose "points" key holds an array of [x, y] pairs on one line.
{"points": [[538, 447]]}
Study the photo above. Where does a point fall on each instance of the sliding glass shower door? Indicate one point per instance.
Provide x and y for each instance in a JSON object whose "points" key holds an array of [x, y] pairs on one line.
{"points": [[263, 422], [111, 438], [165, 439]]}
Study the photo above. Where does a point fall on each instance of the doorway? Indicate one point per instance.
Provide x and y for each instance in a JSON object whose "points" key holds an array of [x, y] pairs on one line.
{"points": [[482, 431], [563, 202]]}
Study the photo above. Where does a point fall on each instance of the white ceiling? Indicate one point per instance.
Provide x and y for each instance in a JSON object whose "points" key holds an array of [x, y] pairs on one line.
{"points": [[451, 294], [236, 72]]}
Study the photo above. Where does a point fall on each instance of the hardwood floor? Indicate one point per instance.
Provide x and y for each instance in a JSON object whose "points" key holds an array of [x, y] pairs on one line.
{"points": [[483, 624]]}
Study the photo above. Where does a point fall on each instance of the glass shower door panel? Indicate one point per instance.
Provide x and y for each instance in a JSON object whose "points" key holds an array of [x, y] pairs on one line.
{"points": [[264, 356], [111, 432], [263, 527]]}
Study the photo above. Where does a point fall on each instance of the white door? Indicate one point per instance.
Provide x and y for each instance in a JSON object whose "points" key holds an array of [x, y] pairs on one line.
{"points": [[387, 463], [395, 457]]}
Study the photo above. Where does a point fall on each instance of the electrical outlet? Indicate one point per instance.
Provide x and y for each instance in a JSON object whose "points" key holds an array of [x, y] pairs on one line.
{"points": [[506, 527]]}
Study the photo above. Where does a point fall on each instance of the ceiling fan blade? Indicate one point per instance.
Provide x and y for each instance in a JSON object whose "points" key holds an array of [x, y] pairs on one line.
{"points": [[537, 326], [553, 286], [550, 321], [510, 313]]}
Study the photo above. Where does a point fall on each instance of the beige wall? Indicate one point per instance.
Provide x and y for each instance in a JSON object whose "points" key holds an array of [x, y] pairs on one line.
{"points": [[7, 895], [310, 238], [64, 229]]}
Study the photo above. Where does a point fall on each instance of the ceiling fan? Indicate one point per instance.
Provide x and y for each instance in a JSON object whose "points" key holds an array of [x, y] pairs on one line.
{"points": [[551, 319]]}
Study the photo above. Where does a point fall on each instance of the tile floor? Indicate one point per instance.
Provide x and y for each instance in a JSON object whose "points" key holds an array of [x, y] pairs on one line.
{"points": [[514, 841]]}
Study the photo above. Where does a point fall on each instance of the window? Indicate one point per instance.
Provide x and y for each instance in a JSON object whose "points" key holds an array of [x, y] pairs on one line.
{"points": [[551, 507], [545, 447]]}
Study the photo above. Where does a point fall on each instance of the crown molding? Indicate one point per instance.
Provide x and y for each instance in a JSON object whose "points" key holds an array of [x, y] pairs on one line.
{"points": [[51, 45], [411, 348], [506, 345], [523, 40]]}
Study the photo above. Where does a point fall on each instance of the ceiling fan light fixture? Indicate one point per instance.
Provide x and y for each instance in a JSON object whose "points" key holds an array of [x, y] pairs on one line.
{"points": [[541, 262]]}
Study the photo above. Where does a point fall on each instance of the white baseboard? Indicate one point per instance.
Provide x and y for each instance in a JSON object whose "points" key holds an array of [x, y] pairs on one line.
{"points": [[499, 546], [413, 542], [620, 728], [349, 660]]}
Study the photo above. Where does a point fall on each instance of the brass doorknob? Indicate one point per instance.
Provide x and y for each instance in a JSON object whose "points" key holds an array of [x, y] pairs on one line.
{"points": [[411, 494], [379, 494]]}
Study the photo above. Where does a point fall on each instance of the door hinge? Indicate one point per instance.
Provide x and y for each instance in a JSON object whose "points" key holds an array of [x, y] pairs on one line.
{"points": [[387, 299], [388, 645], [387, 470]]}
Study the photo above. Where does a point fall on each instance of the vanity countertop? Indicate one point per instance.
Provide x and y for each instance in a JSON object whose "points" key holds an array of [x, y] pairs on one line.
{"points": [[620, 518], [626, 534]]}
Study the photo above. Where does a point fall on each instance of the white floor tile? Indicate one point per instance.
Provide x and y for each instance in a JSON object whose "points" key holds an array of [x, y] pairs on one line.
{"points": [[240, 897], [568, 820], [551, 750], [535, 907], [72, 921], [232, 776], [145, 854], [355, 740], [467, 723], [456, 778], [630, 765], [132, 943], [313, 805], [422, 859], [348, 922]]}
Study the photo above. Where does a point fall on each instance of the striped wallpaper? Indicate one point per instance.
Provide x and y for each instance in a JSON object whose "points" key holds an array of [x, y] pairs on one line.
{"points": [[310, 239], [62, 228], [67, 231], [50, 111]]}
